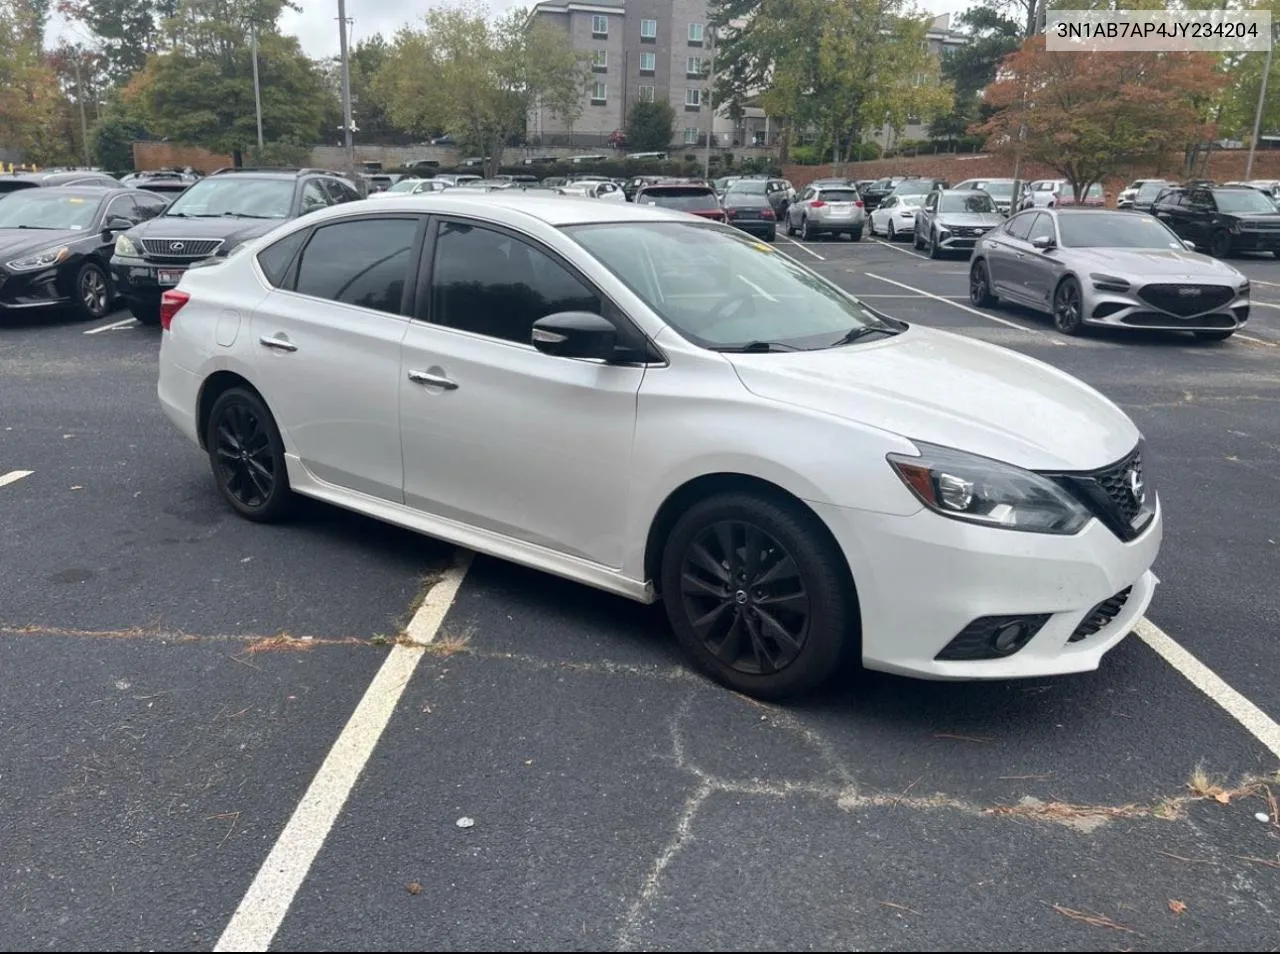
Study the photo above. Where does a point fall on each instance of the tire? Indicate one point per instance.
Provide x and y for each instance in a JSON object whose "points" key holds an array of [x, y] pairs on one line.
{"points": [[822, 620], [805, 234], [934, 252], [1214, 335], [855, 236], [1066, 319], [917, 241], [246, 455], [771, 235], [980, 285], [1220, 244], [147, 312], [893, 233], [92, 291], [789, 229]]}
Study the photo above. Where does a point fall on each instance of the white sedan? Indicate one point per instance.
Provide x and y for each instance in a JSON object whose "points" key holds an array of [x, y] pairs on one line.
{"points": [[668, 409], [895, 217]]}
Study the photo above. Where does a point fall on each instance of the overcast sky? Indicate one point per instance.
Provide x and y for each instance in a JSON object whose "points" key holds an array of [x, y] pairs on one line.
{"points": [[317, 26]]}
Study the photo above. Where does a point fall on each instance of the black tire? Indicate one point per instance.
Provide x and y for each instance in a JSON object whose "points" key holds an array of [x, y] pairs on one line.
{"points": [[1214, 335], [246, 455], [789, 229], [980, 285], [1220, 244], [771, 235], [805, 234], [855, 236], [1067, 303], [917, 241], [934, 251], [147, 312], [815, 607], [892, 235], [92, 292]]}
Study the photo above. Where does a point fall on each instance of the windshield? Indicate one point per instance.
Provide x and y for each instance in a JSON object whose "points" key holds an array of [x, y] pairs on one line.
{"points": [[999, 189], [40, 209], [975, 202], [235, 195], [723, 289], [405, 185], [1149, 191], [1243, 200], [1114, 230], [679, 198], [914, 187], [747, 188], [838, 195]]}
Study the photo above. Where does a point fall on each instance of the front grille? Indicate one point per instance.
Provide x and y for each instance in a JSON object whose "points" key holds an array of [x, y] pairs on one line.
{"points": [[179, 249], [1118, 484], [975, 640], [1259, 226], [1151, 319], [1117, 495], [1175, 300], [1100, 617]]}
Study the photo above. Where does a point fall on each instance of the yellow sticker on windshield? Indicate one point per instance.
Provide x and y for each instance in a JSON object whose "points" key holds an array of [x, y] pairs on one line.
{"points": [[74, 201], [761, 247]]}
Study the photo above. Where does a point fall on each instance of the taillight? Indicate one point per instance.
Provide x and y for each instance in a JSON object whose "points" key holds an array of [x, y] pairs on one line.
{"points": [[767, 214], [858, 203], [730, 213], [816, 204], [171, 303]]}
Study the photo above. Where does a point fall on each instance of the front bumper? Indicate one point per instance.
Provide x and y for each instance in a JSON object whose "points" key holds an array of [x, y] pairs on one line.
{"points": [[25, 291], [923, 579], [960, 240], [1256, 240], [139, 280], [1128, 310]]}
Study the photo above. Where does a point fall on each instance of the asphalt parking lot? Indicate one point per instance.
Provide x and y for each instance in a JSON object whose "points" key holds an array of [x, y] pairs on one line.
{"points": [[214, 736]]}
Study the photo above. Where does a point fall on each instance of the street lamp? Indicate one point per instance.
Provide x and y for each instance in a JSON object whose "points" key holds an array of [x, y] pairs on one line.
{"points": [[711, 105], [1262, 98]]}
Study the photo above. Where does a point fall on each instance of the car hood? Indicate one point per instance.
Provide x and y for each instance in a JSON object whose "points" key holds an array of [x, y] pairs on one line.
{"points": [[942, 388], [1146, 264], [1255, 216], [971, 220], [16, 241], [173, 227]]}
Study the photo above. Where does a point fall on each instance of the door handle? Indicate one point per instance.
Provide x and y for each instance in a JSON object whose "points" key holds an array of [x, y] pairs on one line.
{"points": [[279, 344], [433, 380], [1022, 254]]}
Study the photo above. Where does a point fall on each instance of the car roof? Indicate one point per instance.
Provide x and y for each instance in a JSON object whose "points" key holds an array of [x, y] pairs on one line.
{"points": [[553, 210]]}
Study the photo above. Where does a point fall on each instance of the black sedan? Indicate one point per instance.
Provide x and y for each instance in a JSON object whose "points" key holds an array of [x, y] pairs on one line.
{"points": [[55, 244], [748, 206]]}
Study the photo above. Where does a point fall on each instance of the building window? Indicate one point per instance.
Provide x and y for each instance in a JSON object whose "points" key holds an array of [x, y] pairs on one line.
{"points": [[599, 25], [600, 60], [693, 98], [695, 32], [694, 66], [691, 135], [648, 29], [644, 94], [598, 94], [648, 62]]}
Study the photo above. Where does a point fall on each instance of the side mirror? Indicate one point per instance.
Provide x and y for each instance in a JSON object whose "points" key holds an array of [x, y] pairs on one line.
{"points": [[1191, 246], [575, 334], [117, 223], [1043, 242]]}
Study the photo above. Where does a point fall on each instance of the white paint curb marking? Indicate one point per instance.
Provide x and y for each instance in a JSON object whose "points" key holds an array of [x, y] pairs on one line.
{"points": [[263, 908], [14, 476], [123, 323]]}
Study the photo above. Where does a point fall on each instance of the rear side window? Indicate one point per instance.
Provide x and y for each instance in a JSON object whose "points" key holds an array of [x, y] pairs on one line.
{"points": [[275, 259], [363, 263], [838, 195]]}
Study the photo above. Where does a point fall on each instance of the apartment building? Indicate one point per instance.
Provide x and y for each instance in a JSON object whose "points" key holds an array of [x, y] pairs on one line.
{"points": [[639, 50]]}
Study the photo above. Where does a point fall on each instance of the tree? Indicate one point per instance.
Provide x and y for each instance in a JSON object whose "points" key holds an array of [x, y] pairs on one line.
{"points": [[1240, 98], [128, 31], [29, 94], [991, 36], [650, 126], [1087, 114]]}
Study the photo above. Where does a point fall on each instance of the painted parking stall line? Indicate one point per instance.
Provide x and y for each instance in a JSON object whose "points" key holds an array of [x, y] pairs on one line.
{"points": [[263, 908], [801, 245], [14, 476], [901, 249], [955, 304], [114, 326]]}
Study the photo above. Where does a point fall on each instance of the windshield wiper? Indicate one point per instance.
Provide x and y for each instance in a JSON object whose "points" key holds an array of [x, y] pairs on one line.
{"points": [[756, 347], [246, 215], [855, 334]]}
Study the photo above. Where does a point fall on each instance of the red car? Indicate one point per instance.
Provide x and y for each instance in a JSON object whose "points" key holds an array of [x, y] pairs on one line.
{"points": [[699, 200]]}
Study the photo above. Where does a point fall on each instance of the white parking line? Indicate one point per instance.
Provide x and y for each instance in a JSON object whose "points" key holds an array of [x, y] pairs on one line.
{"points": [[820, 258], [14, 476], [1264, 304], [123, 323], [1259, 281], [264, 906], [1265, 344], [956, 304], [899, 248], [1258, 724]]}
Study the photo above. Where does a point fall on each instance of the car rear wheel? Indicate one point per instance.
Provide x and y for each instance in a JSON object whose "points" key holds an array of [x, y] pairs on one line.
{"points": [[893, 233], [93, 292], [855, 236], [1214, 335], [147, 312], [756, 592], [246, 453], [1219, 244], [980, 285], [917, 241], [1067, 315], [771, 235]]}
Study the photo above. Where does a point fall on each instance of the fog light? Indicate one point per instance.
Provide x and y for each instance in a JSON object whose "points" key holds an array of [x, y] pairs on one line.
{"points": [[1011, 637]]}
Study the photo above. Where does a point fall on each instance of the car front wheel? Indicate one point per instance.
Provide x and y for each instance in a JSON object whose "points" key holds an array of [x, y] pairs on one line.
{"points": [[757, 594], [147, 312], [93, 292]]}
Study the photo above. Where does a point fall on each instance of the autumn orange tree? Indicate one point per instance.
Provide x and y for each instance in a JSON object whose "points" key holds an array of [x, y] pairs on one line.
{"points": [[1086, 114], [29, 94]]}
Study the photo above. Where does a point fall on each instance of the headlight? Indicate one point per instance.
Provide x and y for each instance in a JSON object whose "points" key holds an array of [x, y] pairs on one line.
{"points": [[978, 490], [1243, 288], [43, 259], [125, 247], [1108, 282]]}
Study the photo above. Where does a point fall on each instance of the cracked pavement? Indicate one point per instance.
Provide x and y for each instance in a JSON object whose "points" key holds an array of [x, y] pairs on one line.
{"points": [[174, 677]]}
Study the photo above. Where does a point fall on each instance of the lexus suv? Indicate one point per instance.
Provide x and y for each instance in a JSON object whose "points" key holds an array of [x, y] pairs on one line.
{"points": [[210, 220]]}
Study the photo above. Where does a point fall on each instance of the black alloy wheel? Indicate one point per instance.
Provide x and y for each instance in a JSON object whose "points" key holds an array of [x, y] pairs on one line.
{"points": [[756, 592], [980, 285], [1220, 244], [93, 292], [1067, 316], [247, 456]]}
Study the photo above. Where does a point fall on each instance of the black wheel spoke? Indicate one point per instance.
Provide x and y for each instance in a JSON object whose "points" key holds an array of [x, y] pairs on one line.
{"points": [[705, 623], [729, 649], [784, 569], [696, 586], [775, 631], [728, 552], [752, 550], [699, 555], [759, 647], [228, 438], [246, 462]]}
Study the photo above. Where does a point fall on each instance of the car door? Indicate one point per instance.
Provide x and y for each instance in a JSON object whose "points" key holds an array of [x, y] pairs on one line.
{"points": [[883, 215], [927, 213], [327, 343], [1040, 269], [1202, 216], [1171, 209], [1003, 246], [797, 208], [496, 434]]}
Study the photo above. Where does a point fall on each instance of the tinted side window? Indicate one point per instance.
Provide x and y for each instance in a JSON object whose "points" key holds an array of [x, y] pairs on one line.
{"points": [[313, 197], [363, 263], [275, 259], [149, 206], [489, 283], [1020, 226], [1043, 225], [123, 206]]}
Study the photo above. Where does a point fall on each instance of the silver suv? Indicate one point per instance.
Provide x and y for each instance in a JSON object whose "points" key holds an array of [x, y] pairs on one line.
{"points": [[827, 210]]}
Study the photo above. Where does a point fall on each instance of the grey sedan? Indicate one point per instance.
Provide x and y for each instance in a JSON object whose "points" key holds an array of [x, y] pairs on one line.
{"points": [[1117, 269]]}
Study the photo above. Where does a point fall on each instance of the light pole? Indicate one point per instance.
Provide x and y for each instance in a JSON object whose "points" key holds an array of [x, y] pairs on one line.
{"points": [[1257, 116], [346, 85], [711, 105], [257, 89]]}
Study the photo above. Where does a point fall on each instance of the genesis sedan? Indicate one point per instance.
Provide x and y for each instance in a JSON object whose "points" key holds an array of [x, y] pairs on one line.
{"points": [[668, 409], [1116, 269]]}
